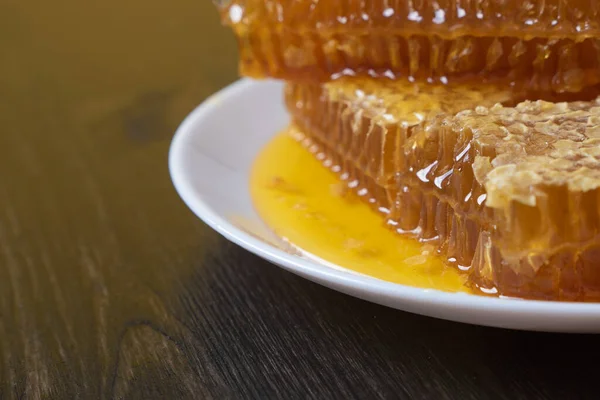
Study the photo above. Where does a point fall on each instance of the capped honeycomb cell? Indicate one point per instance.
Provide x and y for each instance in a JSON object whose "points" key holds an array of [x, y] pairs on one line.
{"points": [[508, 193], [544, 45], [524, 183]]}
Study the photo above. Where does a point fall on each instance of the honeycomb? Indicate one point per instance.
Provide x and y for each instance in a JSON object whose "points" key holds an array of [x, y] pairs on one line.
{"points": [[544, 45], [507, 192], [387, 111]]}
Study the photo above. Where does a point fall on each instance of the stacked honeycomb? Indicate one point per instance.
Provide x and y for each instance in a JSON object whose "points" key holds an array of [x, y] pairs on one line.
{"points": [[470, 125]]}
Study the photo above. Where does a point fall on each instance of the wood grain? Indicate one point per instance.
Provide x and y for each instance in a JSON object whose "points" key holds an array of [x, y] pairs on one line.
{"points": [[111, 288]]}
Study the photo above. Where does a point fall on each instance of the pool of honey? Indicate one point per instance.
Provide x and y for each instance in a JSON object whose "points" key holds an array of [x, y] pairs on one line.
{"points": [[306, 204]]}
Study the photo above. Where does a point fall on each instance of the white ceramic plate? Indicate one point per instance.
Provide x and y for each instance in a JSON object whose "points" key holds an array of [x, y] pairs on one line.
{"points": [[211, 175]]}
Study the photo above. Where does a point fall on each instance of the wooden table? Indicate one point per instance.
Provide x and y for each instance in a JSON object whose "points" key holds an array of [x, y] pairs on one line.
{"points": [[111, 288]]}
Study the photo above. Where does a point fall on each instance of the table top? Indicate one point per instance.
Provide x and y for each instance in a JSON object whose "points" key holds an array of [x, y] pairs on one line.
{"points": [[111, 288]]}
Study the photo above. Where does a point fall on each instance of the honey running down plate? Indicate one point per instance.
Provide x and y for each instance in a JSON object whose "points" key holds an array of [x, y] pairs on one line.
{"points": [[210, 161]]}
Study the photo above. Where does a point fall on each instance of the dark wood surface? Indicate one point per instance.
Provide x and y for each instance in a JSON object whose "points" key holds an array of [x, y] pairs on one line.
{"points": [[111, 288]]}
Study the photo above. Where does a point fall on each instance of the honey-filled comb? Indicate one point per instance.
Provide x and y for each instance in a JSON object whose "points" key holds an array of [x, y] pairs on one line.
{"points": [[543, 45], [508, 193]]}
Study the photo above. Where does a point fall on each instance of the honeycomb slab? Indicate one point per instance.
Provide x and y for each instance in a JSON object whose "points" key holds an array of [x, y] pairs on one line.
{"points": [[367, 122], [508, 193], [544, 45]]}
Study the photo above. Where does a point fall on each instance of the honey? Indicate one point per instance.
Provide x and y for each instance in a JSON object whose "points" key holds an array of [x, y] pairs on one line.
{"points": [[542, 45], [308, 206], [507, 193]]}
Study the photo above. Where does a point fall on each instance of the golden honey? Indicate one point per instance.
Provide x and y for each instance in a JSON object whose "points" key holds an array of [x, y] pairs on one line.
{"points": [[308, 206]]}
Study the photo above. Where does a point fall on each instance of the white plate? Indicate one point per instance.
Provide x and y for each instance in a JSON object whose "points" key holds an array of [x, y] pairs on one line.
{"points": [[210, 159]]}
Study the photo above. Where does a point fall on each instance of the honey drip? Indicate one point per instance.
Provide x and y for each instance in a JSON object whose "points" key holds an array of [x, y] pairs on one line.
{"points": [[509, 194], [541, 45]]}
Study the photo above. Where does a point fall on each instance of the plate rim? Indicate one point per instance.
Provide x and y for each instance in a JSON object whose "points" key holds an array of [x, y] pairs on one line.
{"points": [[311, 269]]}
